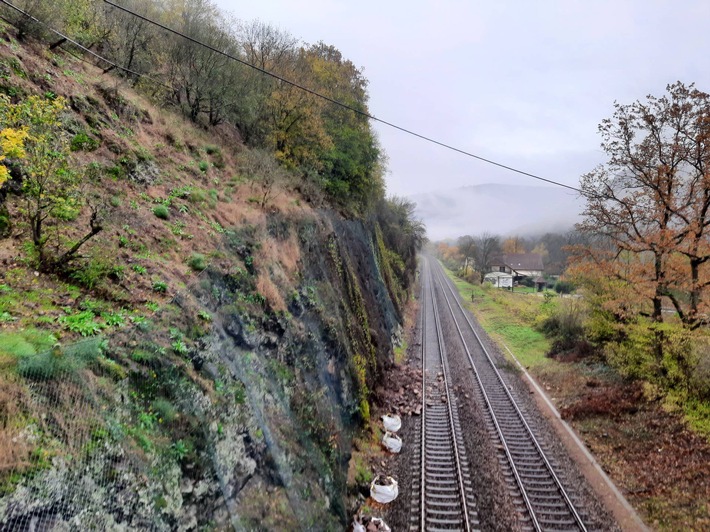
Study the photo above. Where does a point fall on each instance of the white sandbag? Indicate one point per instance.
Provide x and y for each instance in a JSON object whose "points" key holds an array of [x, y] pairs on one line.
{"points": [[392, 422], [370, 524], [384, 489], [392, 442], [378, 525]]}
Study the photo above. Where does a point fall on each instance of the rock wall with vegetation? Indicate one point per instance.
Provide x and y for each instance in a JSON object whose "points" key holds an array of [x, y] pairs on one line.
{"points": [[189, 330]]}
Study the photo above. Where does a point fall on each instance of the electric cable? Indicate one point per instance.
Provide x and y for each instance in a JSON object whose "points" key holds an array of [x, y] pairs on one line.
{"points": [[336, 102], [282, 79], [85, 49]]}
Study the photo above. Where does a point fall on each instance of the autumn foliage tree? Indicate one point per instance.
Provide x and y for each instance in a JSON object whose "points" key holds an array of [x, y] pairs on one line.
{"points": [[650, 203], [319, 142], [646, 231], [31, 133]]}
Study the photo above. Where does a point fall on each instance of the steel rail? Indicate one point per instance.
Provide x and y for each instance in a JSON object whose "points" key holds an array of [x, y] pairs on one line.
{"points": [[445, 494], [528, 503], [422, 485], [444, 367], [499, 430]]}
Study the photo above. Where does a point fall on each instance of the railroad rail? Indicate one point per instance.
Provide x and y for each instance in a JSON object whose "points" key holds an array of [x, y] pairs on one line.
{"points": [[540, 498], [443, 493]]}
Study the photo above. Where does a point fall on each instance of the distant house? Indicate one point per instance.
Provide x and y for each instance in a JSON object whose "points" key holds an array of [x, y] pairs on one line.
{"points": [[499, 279], [519, 264]]}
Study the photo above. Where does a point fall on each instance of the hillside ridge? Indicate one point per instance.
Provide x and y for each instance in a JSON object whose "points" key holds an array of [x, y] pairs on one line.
{"points": [[204, 358]]}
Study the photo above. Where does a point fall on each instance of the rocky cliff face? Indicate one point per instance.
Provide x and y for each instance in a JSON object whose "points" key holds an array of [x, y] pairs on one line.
{"points": [[244, 421], [232, 327]]}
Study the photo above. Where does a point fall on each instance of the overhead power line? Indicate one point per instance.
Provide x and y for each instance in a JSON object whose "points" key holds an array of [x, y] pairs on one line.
{"points": [[84, 48], [338, 103], [277, 77]]}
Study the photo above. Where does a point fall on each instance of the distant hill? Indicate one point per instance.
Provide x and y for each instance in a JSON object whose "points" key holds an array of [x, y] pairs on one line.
{"points": [[499, 209]]}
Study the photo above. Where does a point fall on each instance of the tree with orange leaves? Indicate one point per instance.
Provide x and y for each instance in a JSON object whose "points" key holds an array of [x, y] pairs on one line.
{"points": [[648, 206]]}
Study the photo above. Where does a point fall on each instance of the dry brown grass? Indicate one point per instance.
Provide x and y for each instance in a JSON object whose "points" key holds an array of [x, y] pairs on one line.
{"points": [[268, 289], [15, 448], [287, 253], [236, 213]]}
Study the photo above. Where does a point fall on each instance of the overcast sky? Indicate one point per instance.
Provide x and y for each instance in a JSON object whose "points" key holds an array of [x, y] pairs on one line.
{"points": [[524, 83]]}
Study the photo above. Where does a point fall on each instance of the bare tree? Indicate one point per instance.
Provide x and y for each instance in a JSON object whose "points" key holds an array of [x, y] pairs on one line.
{"points": [[467, 246], [486, 247]]}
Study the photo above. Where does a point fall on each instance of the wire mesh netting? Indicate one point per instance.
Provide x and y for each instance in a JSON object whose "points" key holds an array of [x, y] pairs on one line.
{"points": [[101, 435]]}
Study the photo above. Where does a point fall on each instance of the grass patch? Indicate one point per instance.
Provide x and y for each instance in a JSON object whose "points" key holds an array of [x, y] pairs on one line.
{"points": [[197, 262], [697, 414], [161, 211], [25, 343], [400, 352], [38, 356], [507, 317]]}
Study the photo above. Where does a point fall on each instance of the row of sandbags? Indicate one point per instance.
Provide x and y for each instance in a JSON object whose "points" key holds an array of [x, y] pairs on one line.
{"points": [[383, 489]]}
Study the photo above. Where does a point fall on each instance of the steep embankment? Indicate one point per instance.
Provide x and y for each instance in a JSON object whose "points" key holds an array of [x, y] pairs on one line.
{"points": [[232, 329]]}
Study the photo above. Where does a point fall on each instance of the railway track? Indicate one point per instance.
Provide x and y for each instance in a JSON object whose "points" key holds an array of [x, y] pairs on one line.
{"points": [[443, 496], [541, 500]]}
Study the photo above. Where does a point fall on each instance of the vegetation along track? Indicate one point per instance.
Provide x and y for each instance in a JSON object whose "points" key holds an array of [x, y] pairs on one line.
{"points": [[443, 496], [542, 501]]}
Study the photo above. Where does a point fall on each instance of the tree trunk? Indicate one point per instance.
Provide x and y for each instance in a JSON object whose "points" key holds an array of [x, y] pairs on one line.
{"points": [[660, 289], [694, 291]]}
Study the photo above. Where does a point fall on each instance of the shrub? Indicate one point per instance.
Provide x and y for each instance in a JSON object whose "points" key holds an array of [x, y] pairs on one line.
{"points": [[82, 323], [564, 287], [161, 211], [700, 380], [91, 274], [165, 410], [213, 197], [83, 142], [528, 281], [666, 354], [109, 367], [197, 196], [179, 347], [203, 166], [565, 325], [197, 262], [160, 286]]}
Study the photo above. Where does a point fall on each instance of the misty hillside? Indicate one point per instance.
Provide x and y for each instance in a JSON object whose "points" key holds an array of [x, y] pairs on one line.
{"points": [[500, 209]]}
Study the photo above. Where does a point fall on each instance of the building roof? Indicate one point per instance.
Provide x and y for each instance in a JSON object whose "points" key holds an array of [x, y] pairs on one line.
{"points": [[519, 261]]}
